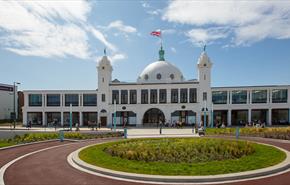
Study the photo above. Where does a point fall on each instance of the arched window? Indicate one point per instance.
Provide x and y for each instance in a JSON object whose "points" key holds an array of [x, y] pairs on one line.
{"points": [[172, 76], [146, 77]]}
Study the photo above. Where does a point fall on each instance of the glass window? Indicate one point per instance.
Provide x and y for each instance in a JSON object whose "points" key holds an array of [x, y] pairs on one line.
{"points": [[53, 100], [71, 99], [219, 97], [133, 96], [115, 96], [144, 96], [174, 95], [103, 97], [35, 100], [162, 96], [279, 96], [259, 96], [183, 95], [90, 100], [124, 96], [158, 76], [204, 97], [153, 96], [192, 95], [239, 97]]}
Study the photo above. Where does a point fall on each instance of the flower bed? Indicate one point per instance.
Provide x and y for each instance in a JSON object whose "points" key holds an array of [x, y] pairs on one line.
{"points": [[33, 137], [186, 156], [269, 132]]}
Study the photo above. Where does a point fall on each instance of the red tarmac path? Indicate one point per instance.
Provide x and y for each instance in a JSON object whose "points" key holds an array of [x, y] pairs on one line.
{"points": [[50, 167]]}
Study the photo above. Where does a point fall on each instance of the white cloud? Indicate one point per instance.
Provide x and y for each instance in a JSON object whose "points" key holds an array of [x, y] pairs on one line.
{"points": [[119, 25], [48, 29], [249, 21], [100, 36], [173, 50], [200, 36], [117, 56]]}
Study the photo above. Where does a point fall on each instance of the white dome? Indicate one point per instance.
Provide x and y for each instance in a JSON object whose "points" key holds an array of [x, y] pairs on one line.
{"points": [[160, 72]]}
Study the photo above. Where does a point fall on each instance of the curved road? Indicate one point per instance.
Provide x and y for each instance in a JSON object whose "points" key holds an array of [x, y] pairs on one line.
{"points": [[50, 167]]}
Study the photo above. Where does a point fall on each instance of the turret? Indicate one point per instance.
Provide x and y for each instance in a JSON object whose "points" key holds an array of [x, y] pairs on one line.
{"points": [[104, 78], [204, 66]]}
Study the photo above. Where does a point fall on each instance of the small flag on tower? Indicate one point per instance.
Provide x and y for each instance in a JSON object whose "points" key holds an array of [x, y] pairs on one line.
{"points": [[156, 33]]}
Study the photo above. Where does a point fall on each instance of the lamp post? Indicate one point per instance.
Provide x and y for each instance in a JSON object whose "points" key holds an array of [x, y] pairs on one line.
{"points": [[212, 115], [70, 117], [204, 117], [14, 101], [115, 114]]}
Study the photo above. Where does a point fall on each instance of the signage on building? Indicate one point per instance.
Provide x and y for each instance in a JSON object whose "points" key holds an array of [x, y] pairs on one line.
{"points": [[6, 88]]}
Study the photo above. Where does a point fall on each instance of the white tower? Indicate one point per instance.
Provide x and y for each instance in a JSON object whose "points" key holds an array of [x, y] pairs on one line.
{"points": [[204, 66], [104, 79]]}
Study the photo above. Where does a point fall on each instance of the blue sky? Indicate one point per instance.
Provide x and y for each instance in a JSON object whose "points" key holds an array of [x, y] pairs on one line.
{"points": [[56, 45]]}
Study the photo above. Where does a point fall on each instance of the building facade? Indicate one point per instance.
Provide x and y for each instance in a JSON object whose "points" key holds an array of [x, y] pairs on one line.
{"points": [[160, 94], [7, 95]]}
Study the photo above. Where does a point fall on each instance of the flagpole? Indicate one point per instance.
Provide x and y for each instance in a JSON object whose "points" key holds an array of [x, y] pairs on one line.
{"points": [[161, 40]]}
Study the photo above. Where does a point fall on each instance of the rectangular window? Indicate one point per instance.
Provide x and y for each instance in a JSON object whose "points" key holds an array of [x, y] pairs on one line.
{"points": [[204, 96], [103, 97], [124, 96], [279, 96], [192, 95], [133, 96], [115, 96], [219, 97], [174, 95], [144, 96], [162, 96], [72, 99], [53, 100], [90, 100], [239, 97], [153, 96], [35, 100], [183, 95], [259, 96]]}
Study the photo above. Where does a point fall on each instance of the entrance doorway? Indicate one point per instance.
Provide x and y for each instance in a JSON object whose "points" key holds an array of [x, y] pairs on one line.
{"points": [[103, 121], [153, 117]]}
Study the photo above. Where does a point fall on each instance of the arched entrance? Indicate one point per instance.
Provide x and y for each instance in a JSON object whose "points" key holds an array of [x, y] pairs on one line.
{"points": [[153, 117]]}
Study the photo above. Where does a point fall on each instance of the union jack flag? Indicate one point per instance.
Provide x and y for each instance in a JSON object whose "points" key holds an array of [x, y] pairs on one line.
{"points": [[156, 33]]}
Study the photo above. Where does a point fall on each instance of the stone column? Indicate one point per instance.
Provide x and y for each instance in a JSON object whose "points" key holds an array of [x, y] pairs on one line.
{"points": [[269, 117], [168, 95], [249, 115], [61, 118], [43, 119], [24, 117], [229, 117], [80, 119]]}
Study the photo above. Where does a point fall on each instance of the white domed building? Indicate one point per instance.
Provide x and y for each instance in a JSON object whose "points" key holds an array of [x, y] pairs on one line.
{"points": [[160, 94]]}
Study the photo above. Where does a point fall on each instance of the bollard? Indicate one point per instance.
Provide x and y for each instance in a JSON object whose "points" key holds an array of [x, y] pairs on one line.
{"points": [[61, 136], [237, 132], [125, 133]]}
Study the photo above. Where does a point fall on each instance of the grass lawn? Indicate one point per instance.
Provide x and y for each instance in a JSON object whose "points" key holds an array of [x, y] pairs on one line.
{"points": [[4, 143], [263, 156]]}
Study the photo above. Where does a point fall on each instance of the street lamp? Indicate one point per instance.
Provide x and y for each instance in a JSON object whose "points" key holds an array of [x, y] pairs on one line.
{"points": [[14, 107]]}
